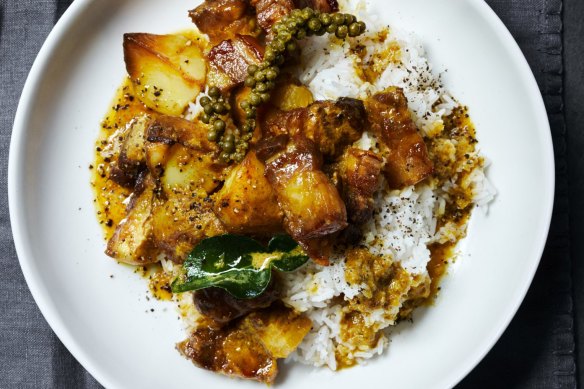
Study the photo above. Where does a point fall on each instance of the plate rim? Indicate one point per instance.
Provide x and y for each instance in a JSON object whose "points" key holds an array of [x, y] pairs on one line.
{"points": [[18, 226]]}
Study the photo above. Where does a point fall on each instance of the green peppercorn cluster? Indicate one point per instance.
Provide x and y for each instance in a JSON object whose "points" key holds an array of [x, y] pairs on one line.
{"points": [[299, 24], [230, 141]]}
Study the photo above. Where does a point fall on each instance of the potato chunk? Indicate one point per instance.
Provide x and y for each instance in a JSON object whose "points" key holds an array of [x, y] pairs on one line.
{"points": [[289, 96], [280, 329], [247, 203], [167, 71]]}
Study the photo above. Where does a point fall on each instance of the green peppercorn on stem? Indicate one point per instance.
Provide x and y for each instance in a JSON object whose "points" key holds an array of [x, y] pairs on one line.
{"points": [[299, 24]]}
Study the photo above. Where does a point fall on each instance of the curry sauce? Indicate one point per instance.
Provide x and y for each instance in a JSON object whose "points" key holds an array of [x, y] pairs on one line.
{"points": [[110, 197]]}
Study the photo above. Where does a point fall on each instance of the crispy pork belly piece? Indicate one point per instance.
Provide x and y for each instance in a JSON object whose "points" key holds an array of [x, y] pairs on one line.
{"points": [[313, 208], [230, 59], [247, 204], [171, 129], [331, 125], [250, 347], [335, 125], [130, 147], [214, 349], [132, 242], [360, 172], [319, 5], [270, 11], [223, 19], [406, 155], [221, 307]]}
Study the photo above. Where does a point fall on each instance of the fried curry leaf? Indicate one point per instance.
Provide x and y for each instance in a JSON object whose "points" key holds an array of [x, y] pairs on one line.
{"points": [[238, 264], [292, 255]]}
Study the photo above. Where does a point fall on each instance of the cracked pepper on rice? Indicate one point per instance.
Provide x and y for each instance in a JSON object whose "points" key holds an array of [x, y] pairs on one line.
{"points": [[298, 170]]}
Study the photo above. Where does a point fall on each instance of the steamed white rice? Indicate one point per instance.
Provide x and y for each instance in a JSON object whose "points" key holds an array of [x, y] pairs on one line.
{"points": [[405, 222]]}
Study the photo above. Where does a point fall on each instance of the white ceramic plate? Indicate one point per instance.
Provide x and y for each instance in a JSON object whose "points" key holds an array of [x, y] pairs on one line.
{"points": [[107, 323]]}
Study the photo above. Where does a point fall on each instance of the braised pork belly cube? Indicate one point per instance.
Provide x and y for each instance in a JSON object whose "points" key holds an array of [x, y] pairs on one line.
{"points": [[224, 19], [360, 174], [230, 59], [248, 348], [270, 12], [312, 206], [327, 6], [331, 125], [221, 307], [132, 241], [335, 125], [406, 156]]}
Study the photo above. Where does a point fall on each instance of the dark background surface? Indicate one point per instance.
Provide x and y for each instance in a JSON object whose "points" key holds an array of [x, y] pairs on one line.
{"points": [[540, 347]]}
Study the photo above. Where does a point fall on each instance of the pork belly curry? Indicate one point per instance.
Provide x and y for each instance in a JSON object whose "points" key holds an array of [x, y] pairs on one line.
{"points": [[217, 159]]}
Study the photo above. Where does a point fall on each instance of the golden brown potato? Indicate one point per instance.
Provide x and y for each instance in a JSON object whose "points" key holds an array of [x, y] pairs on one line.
{"points": [[167, 71], [288, 96], [406, 155], [280, 329], [246, 204], [180, 221]]}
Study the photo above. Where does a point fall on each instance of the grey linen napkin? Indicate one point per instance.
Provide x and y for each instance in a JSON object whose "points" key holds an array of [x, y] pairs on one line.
{"points": [[535, 352]]}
